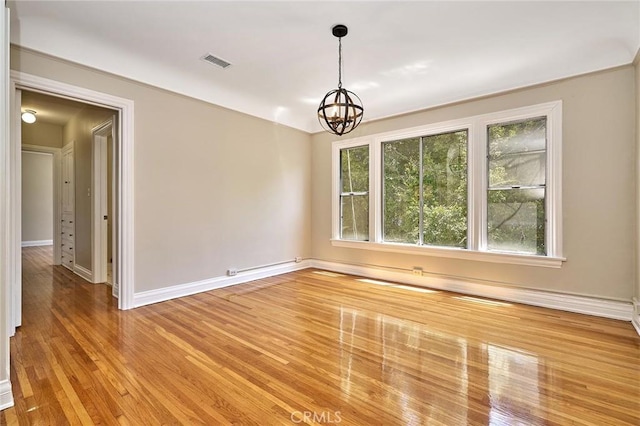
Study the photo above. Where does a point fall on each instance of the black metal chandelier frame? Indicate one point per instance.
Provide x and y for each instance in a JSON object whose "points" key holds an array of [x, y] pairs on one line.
{"points": [[341, 110]]}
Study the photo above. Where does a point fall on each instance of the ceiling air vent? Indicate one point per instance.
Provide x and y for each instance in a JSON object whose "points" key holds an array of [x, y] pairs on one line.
{"points": [[215, 60]]}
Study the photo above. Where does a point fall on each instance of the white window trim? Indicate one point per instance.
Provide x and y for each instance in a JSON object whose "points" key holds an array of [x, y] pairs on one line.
{"points": [[477, 184]]}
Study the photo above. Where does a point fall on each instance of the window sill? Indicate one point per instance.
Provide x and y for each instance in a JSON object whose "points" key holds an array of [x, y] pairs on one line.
{"points": [[454, 253]]}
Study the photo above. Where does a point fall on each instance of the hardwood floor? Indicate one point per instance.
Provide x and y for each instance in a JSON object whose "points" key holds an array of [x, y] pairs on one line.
{"points": [[312, 347]]}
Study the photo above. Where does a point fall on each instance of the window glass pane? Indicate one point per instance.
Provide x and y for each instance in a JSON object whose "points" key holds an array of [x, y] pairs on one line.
{"points": [[444, 159], [517, 153], [517, 158], [354, 166], [354, 198], [355, 217], [516, 220], [401, 182]]}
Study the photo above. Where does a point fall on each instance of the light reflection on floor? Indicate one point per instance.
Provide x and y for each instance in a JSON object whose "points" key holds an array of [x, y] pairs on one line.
{"points": [[508, 378], [396, 285]]}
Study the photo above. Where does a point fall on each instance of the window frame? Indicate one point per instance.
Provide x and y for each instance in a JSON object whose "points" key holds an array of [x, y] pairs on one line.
{"points": [[342, 194], [380, 143], [542, 187], [477, 181]]}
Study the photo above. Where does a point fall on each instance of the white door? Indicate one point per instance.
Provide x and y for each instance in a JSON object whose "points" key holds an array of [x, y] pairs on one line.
{"points": [[112, 225], [68, 227], [100, 208]]}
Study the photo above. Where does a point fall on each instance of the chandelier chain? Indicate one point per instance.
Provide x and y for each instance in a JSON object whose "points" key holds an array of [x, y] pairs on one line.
{"points": [[339, 62]]}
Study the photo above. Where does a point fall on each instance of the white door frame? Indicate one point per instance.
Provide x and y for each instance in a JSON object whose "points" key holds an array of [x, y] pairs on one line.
{"points": [[124, 173], [14, 235], [6, 173], [99, 208], [57, 198]]}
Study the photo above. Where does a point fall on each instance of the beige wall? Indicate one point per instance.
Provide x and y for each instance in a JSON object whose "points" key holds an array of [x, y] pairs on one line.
{"points": [[213, 188], [37, 196], [42, 134], [598, 189], [79, 130], [216, 189]]}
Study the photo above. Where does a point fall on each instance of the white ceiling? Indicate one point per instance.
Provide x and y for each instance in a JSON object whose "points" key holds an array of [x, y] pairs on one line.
{"points": [[398, 56]]}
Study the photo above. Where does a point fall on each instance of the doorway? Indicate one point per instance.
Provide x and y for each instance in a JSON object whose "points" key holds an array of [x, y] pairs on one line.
{"points": [[122, 173], [38, 203], [66, 126]]}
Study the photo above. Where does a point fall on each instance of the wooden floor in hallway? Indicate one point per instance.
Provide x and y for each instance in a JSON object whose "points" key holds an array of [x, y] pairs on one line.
{"points": [[312, 347]]}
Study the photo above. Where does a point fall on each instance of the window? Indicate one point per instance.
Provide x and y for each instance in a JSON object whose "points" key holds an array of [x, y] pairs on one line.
{"points": [[516, 192], [425, 190], [354, 193], [483, 188]]}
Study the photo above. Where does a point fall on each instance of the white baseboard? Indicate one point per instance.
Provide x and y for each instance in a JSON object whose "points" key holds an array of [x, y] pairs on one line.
{"points": [[614, 309], [37, 243], [636, 314], [6, 396], [564, 302], [83, 272], [187, 289]]}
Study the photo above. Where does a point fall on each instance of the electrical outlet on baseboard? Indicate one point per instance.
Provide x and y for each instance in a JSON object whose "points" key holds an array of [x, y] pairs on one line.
{"points": [[298, 259], [232, 272], [417, 271]]}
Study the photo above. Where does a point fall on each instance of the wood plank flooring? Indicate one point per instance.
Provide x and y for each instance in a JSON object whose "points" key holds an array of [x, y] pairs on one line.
{"points": [[312, 347]]}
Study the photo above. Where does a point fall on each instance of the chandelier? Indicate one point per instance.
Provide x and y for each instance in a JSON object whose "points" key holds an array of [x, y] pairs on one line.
{"points": [[341, 110]]}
